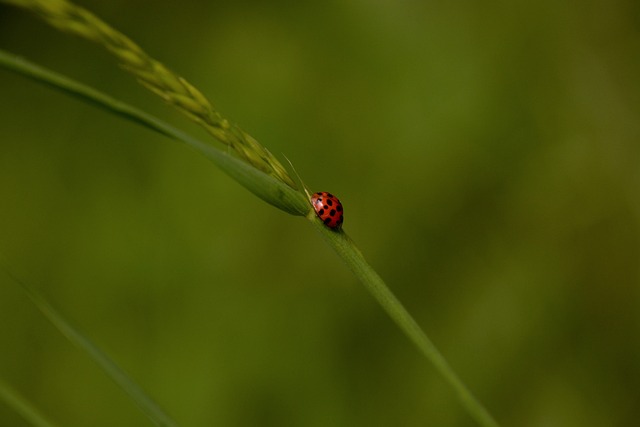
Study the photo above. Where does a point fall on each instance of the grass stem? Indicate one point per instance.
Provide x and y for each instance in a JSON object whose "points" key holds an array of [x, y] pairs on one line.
{"points": [[353, 258]]}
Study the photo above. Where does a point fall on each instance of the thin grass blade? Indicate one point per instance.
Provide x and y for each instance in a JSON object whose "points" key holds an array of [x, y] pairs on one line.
{"points": [[117, 374], [353, 258], [266, 187], [281, 196], [22, 406]]}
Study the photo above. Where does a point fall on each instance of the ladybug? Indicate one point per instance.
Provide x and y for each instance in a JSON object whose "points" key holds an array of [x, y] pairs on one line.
{"points": [[328, 208]]}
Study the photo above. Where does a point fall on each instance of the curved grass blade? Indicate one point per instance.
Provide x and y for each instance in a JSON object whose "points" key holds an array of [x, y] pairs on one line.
{"points": [[281, 196], [266, 187], [353, 258], [18, 403], [142, 399]]}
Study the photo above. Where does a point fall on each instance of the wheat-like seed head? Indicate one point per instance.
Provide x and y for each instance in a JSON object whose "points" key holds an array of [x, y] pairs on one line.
{"points": [[157, 78]]}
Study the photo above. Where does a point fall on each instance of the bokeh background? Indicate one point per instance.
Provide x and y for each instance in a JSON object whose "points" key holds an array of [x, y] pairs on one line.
{"points": [[488, 158]]}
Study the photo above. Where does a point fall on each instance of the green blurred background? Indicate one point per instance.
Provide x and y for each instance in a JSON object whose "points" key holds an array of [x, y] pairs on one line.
{"points": [[487, 155]]}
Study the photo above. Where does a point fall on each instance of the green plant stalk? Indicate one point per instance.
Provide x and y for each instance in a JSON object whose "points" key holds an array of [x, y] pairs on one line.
{"points": [[353, 258], [19, 404], [274, 185], [276, 193]]}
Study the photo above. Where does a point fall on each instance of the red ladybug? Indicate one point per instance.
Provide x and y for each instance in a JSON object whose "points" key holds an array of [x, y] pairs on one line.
{"points": [[328, 208]]}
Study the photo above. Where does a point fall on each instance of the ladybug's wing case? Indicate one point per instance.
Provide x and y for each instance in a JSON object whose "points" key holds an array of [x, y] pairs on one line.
{"points": [[328, 208]]}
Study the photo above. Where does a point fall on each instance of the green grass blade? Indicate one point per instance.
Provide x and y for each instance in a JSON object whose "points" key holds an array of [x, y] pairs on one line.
{"points": [[146, 403], [18, 403], [266, 187], [354, 259], [279, 195]]}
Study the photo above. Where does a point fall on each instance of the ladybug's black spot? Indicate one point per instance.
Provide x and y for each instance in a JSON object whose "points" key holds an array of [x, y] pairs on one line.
{"points": [[339, 208], [321, 212], [327, 221], [332, 212], [326, 207], [329, 195], [330, 202]]}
